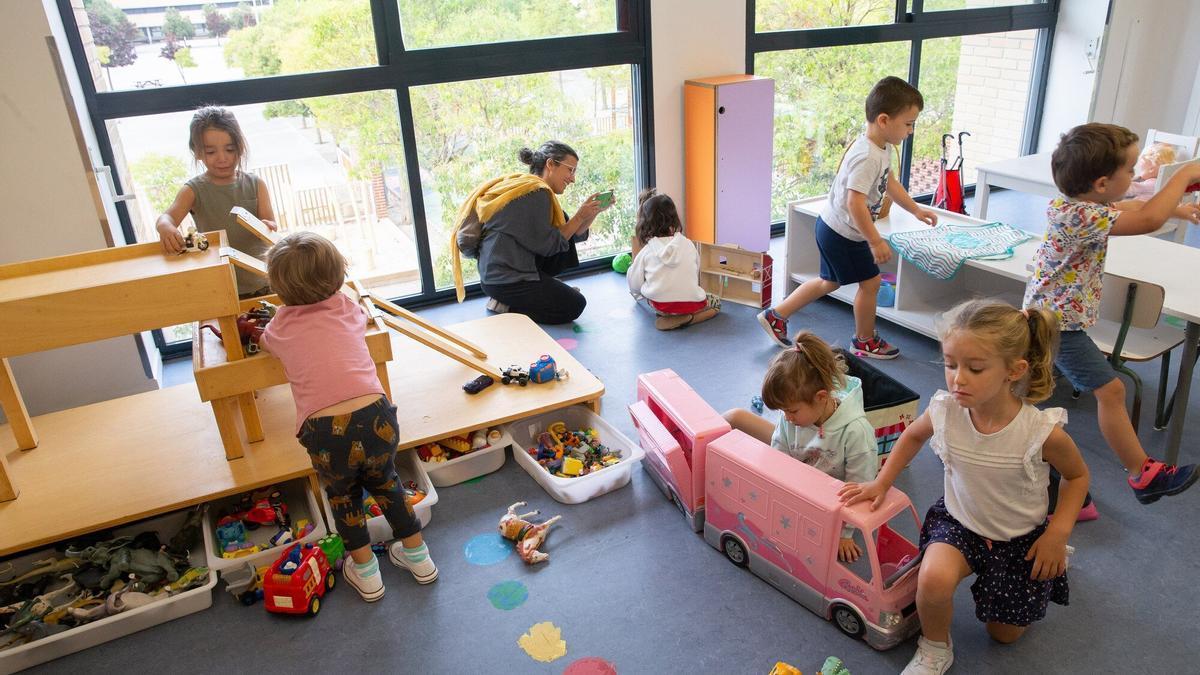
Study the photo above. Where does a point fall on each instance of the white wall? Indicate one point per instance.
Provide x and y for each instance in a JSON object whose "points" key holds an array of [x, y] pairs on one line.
{"points": [[49, 210], [1072, 80], [689, 39], [1149, 65]]}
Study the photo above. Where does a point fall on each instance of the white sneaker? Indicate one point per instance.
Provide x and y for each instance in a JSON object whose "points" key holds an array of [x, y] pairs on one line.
{"points": [[930, 659], [370, 588], [494, 305], [425, 572]]}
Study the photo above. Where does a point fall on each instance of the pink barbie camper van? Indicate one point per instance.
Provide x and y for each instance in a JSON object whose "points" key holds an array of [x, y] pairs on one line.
{"points": [[675, 427], [781, 518]]}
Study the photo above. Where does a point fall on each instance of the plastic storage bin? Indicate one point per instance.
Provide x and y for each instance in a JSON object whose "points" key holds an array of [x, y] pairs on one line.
{"points": [[408, 467], [301, 505], [890, 406], [575, 490], [471, 465], [120, 625]]}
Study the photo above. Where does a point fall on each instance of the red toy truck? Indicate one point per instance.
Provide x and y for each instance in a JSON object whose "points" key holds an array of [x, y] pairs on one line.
{"points": [[300, 591]]}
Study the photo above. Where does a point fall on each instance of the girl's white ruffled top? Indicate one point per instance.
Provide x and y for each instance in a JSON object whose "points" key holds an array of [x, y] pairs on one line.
{"points": [[995, 483]]}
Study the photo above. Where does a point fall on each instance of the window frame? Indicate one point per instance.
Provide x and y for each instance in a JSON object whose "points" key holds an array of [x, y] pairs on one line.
{"points": [[915, 27], [398, 70]]}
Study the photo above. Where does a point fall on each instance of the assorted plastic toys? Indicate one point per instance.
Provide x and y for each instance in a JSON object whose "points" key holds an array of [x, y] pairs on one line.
{"points": [[527, 536], [251, 325], [571, 454], [545, 370], [95, 578], [194, 240], [298, 580], [257, 509], [413, 495], [456, 446]]}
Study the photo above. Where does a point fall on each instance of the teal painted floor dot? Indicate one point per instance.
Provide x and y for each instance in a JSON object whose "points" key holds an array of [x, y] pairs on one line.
{"points": [[487, 549], [508, 595]]}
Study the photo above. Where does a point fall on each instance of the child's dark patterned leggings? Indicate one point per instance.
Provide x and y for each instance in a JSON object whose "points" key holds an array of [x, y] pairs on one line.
{"points": [[355, 451]]}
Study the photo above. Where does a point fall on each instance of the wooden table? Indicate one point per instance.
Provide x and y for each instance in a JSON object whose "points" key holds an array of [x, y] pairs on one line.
{"points": [[134, 457], [225, 384], [83, 297]]}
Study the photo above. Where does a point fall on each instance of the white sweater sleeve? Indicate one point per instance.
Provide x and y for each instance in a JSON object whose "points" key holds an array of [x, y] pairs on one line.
{"points": [[636, 275]]}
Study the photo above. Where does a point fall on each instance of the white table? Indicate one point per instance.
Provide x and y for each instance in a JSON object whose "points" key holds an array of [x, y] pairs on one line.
{"points": [[1173, 267], [1030, 173], [921, 299]]}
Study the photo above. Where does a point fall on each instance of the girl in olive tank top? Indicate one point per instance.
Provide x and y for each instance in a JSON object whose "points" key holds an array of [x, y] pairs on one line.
{"points": [[216, 140]]}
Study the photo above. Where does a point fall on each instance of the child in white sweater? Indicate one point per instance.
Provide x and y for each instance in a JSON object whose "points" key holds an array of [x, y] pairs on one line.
{"points": [[666, 267]]}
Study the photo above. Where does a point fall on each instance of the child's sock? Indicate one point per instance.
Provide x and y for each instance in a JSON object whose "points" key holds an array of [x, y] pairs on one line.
{"points": [[415, 555], [369, 568]]}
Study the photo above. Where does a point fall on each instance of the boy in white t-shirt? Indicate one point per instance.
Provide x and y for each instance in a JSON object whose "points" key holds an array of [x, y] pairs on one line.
{"points": [[851, 247]]}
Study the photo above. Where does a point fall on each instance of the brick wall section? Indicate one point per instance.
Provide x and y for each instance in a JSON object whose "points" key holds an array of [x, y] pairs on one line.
{"points": [[994, 72]]}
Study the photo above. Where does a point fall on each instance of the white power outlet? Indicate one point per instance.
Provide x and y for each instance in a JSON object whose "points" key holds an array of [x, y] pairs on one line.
{"points": [[1092, 53]]}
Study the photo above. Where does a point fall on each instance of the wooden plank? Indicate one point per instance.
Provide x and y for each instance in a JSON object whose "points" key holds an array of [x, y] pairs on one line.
{"points": [[8, 489], [244, 261], [256, 227], [14, 409], [429, 390], [141, 455], [398, 311], [443, 348], [86, 314]]}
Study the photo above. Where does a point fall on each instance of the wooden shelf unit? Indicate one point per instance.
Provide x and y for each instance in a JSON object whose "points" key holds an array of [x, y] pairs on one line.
{"points": [[117, 461], [736, 274]]}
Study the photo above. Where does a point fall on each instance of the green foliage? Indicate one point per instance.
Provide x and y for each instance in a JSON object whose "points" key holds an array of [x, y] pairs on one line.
{"points": [[286, 109], [178, 26], [794, 15], [158, 178], [104, 55], [184, 59], [113, 31], [242, 17], [215, 21], [466, 131]]}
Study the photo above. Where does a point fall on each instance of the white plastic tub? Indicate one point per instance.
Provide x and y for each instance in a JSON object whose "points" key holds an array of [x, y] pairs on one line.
{"points": [[471, 465], [409, 468], [575, 490], [125, 623], [302, 505]]}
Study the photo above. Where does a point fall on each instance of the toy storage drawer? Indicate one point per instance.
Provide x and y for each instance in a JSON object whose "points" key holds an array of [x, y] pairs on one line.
{"points": [[472, 465], [890, 406], [301, 504], [575, 490], [120, 625], [408, 467]]}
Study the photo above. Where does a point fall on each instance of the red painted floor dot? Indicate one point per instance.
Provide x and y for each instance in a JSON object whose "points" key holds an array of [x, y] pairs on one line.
{"points": [[568, 343], [591, 665]]}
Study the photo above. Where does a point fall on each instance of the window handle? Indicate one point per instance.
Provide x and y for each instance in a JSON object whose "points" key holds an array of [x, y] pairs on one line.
{"points": [[106, 171]]}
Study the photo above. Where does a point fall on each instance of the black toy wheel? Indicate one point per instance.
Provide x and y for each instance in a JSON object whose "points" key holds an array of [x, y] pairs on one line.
{"points": [[203, 246], [314, 606], [847, 621], [524, 382], [505, 380], [248, 598], [330, 580], [736, 553]]}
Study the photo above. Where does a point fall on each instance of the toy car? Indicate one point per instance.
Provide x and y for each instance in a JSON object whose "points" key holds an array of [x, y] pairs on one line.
{"points": [[514, 374], [301, 590], [479, 384], [334, 548], [262, 509], [544, 370], [195, 240]]}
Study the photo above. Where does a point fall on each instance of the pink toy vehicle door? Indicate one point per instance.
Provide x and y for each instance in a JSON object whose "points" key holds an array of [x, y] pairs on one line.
{"points": [[663, 451]]}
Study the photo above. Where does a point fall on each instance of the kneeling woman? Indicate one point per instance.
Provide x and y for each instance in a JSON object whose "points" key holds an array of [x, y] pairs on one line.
{"points": [[528, 239]]}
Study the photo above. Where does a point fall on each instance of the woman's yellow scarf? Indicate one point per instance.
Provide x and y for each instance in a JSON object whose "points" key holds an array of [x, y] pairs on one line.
{"points": [[486, 201]]}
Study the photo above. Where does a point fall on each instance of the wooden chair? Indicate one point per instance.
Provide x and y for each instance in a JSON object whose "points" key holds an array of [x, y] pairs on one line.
{"points": [[279, 185], [1128, 330]]}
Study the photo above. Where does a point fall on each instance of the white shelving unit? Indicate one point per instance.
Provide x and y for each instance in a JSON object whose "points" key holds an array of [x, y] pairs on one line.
{"points": [[920, 298]]}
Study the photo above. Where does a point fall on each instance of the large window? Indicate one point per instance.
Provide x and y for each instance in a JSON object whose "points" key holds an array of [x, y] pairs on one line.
{"points": [[980, 65], [370, 120]]}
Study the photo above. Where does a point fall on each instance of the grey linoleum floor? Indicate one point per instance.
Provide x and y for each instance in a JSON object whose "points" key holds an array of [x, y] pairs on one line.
{"points": [[630, 583]]}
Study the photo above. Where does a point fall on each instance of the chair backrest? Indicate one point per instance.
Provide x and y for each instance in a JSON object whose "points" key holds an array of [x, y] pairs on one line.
{"points": [[279, 185], [1188, 145], [315, 207], [1147, 301]]}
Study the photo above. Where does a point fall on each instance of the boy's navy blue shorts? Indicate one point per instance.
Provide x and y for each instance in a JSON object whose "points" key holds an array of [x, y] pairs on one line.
{"points": [[1082, 362], [1003, 591], [844, 261]]}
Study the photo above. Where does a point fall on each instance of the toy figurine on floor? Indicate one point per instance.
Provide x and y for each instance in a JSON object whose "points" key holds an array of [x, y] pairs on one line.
{"points": [[528, 536]]}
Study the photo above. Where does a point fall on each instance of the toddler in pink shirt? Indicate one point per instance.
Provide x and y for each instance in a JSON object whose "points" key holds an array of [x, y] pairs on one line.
{"points": [[343, 418]]}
